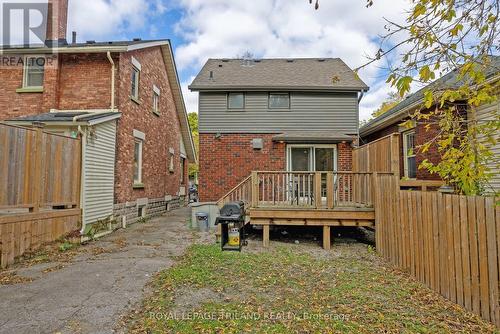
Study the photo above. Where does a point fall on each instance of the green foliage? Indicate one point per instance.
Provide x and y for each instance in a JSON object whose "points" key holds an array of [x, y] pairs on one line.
{"points": [[193, 123], [65, 246], [99, 226], [440, 36], [392, 100]]}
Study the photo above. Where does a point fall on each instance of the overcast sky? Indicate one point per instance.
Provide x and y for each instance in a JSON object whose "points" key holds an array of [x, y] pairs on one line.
{"points": [[200, 29]]}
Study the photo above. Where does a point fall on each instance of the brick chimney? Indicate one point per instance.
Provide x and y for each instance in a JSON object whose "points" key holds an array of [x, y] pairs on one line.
{"points": [[57, 24]]}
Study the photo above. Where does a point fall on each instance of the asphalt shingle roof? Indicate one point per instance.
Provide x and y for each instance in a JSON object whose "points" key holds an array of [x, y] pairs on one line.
{"points": [[448, 81], [304, 73]]}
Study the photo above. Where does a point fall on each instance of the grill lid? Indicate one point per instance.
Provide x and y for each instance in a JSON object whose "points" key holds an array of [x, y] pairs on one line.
{"points": [[233, 209]]}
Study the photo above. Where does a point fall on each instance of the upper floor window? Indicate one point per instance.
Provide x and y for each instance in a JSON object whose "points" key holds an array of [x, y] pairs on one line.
{"points": [[410, 163], [136, 72], [279, 101], [156, 100], [235, 100], [34, 69]]}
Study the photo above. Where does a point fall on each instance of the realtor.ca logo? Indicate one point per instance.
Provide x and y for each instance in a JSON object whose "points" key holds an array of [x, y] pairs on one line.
{"points": [[23, 23]]}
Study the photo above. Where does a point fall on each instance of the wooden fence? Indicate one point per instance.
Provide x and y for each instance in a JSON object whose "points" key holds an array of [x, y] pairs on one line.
{"points": [[381, 155], [39, 189], [449, 242]]}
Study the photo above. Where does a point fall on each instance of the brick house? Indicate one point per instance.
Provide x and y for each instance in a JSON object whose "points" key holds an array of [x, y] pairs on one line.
{"points": [[411, 138], [274, 115], [123, 98]]}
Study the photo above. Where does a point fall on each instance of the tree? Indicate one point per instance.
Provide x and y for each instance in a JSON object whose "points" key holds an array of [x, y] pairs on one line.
{"points": [[193, 123], [392, 100], [439, 36]]}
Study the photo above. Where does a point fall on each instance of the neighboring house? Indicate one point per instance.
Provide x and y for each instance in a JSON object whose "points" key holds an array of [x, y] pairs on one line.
{"points": [[276, 115], [125, 100], [411, 138]]}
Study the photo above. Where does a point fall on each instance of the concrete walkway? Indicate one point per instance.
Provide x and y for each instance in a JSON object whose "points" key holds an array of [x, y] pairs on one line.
{"points": [[89, 294]]}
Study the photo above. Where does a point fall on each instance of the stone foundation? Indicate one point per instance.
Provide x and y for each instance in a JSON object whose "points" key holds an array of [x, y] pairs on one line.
{"points": [[131, 212]]}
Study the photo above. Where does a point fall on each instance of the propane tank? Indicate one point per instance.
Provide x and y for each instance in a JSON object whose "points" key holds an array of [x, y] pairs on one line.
{"points": [[234, 237]]}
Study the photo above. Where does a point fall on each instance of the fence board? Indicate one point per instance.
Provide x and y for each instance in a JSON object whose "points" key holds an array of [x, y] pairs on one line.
{"points": [[381, 155], [38, 171], [449, 242]]}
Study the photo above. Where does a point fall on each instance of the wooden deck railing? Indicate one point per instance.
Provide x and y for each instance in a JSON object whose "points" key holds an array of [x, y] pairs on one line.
{"points": [[242, 192], [321, 190]]}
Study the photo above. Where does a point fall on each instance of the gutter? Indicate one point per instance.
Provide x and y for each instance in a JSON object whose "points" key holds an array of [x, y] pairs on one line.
{"points": [[113, 70]]}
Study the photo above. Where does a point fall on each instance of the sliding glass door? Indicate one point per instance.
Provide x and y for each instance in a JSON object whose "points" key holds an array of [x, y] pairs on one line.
{"points": [[311, 158]]}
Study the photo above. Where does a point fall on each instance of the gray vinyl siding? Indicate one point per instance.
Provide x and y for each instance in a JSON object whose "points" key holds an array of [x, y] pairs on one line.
{"points": [[336, 112], [99, 173], [489, 113]]}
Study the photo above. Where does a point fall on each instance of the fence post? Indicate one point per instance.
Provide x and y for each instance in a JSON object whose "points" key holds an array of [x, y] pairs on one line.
{"points": [[395, 154], [329, 190], [255, 190], [317, 189], [375, 189], [37, 184]]}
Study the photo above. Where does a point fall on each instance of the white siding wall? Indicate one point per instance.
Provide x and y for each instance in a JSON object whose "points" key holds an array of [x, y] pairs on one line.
{"points": [[489, 113], [99, 173]]}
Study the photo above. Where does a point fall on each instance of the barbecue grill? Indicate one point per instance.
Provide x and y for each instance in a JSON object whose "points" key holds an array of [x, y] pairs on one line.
{"points": [[232, 221]]}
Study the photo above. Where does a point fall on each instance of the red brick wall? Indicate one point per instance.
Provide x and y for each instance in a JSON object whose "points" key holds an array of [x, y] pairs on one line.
{"points": [[70, 82], [226, 161], [85, 81], [344, 160], [162, 132]]}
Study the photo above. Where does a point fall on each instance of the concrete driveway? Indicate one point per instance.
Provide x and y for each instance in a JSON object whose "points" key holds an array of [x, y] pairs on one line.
{"points": [[89, 293]]}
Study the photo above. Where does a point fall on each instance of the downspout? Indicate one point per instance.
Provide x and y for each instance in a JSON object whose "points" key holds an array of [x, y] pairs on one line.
{"points": [[113, 69]]}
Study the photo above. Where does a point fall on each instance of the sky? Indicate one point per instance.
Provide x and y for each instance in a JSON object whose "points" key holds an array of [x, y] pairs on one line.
{"points": [[202, 29]]}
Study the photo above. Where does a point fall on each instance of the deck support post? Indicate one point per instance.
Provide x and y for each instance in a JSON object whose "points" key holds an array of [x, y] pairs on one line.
{"points": [[326, 237], [265, 236]]}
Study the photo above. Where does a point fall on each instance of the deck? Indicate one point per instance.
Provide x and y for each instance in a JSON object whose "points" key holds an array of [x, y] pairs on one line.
{"points": [[323, 199]]}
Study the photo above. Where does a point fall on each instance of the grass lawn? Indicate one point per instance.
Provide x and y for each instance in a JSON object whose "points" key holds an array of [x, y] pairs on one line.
{"points": [[294, 289]]}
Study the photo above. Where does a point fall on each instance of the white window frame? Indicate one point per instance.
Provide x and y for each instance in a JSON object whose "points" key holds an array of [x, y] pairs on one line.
{"points": [[171, 164], [312, 154], [136, 67], [236, 93], [406, 156], [278, 108], [182, 163], [139, 138], [26, 72], [156, 100]]}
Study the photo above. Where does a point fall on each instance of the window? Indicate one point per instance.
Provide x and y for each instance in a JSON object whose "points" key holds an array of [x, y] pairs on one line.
{"points": [[410, 163], [183, 166], [235, 101], [134, 94], [156, 100], [171, 167], [34, 68], [279, 101], [138, 161]]}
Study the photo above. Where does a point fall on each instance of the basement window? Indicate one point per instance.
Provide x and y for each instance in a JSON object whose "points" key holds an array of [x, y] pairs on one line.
{"points": [[34, 70]]}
